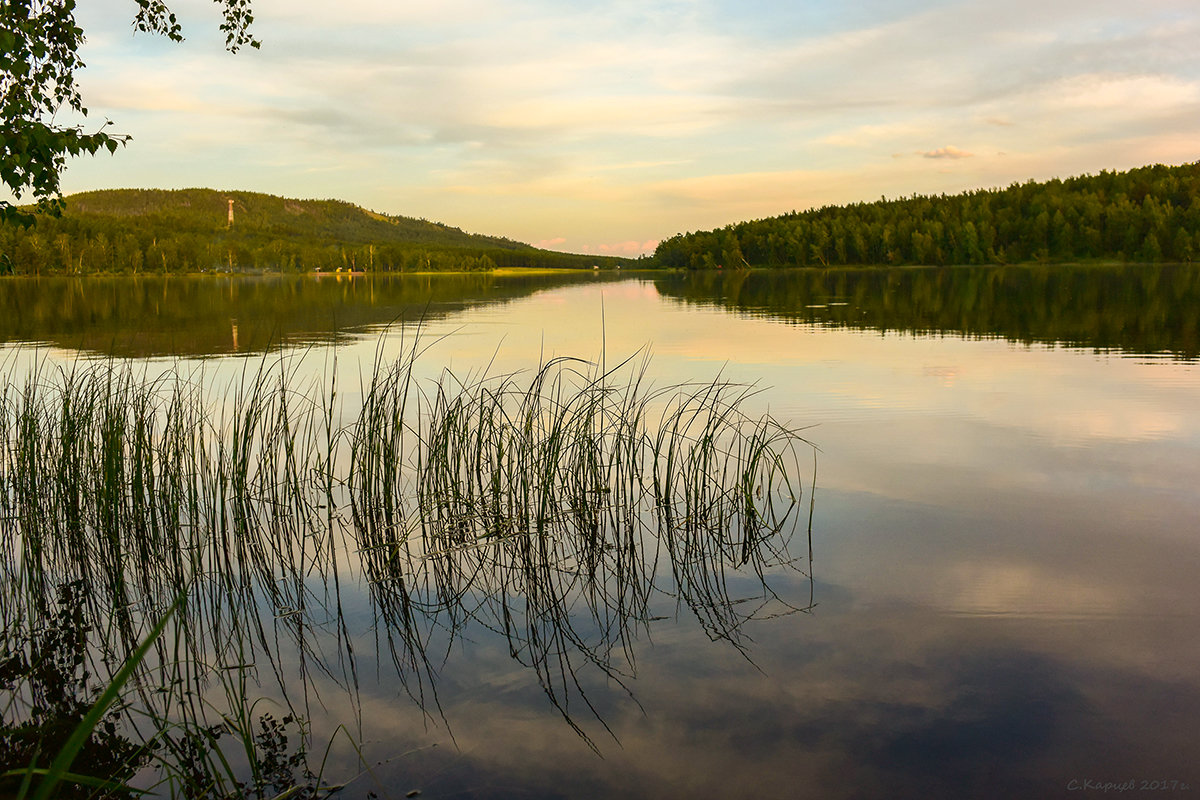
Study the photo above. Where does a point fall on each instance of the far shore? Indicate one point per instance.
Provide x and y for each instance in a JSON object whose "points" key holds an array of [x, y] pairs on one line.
{"points": [[504, 271]]}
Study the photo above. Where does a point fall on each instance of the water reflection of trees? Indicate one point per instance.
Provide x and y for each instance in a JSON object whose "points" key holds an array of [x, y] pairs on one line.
{"points": [[1146, 308], [561, 511], [195, 315]]}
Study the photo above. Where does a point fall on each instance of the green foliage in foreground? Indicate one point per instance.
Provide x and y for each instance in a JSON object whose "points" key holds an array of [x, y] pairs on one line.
{"points": [[137, 231], [1150, 214], [78, 737]]}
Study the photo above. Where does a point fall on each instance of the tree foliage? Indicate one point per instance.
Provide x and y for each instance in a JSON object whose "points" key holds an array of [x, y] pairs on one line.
{"points": [[39, 58], [140, 231], [1148, 214]]}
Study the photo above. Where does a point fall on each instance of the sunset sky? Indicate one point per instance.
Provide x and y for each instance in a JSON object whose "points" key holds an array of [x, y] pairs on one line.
{"points": [[606, 126]]}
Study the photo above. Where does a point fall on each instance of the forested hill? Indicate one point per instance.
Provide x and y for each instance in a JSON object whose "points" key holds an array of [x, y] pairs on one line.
{"points": [[206, 210], [1149, 214], [188, 230]]}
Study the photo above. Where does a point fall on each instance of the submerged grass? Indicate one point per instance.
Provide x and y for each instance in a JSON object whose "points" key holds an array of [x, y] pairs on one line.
{"points": [[547, 507]]}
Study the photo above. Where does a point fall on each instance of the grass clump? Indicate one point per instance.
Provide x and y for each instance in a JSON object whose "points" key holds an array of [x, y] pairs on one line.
{"points": [[558, 509]]}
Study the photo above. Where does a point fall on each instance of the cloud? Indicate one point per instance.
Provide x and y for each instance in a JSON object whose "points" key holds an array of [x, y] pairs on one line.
{"points": [[632, 247], [1129, 93], [949, 151], [628, 122], [550, 244], [868, 135], [628, 248]]}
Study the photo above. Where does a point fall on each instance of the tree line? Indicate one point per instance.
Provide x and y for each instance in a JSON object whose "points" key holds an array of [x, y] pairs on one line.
{"points": [[143, 231], [1149, 214]]}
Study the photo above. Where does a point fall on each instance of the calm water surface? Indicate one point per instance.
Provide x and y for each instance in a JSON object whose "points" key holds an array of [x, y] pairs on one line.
{"points": [[1006, 529]]}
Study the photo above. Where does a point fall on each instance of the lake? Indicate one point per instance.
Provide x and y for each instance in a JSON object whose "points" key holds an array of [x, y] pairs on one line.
{"points": [[1000, 600]]}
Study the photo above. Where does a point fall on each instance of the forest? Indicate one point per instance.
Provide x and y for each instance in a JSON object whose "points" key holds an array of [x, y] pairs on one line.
{"points": [[1149, 214], [152, 231]]}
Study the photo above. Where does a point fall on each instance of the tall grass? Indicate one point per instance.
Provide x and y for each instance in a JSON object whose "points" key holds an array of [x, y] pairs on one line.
{"points": [[554, 508]]}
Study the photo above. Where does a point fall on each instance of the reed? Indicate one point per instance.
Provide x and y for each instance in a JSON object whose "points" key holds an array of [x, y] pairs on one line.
{"points": [[554, 508]]}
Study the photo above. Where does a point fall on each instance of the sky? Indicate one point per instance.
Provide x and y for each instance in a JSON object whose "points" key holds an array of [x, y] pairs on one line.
{"points": [[604, 127]]}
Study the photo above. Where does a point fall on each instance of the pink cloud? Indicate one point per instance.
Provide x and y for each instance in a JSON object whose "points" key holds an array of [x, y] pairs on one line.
{"points": [[948, 151], [550, 244], [630, 247]]}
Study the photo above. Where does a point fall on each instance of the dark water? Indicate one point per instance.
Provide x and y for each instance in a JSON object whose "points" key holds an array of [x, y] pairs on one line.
{"points": [[1006, 538]]}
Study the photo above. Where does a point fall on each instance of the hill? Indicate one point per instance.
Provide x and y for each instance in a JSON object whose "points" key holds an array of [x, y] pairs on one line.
{"points": [[188, 230], [205, 210], [1149, 214]]}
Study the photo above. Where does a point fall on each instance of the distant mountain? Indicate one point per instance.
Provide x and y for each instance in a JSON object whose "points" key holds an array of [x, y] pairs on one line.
{"points": [[189, 230], [1149, 214]]}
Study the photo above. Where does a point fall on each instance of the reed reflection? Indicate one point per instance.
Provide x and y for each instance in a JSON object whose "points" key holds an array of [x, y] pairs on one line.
{"points": [[560, 510]]}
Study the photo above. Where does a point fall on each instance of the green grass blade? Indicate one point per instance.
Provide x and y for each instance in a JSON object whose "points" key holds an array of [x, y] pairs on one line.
{"points": [[61, 764]]}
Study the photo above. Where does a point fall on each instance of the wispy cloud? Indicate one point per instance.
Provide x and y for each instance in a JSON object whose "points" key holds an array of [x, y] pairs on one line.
{"points": [[1128, 93], [627, 122], [949, 151], [627, 248]]}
